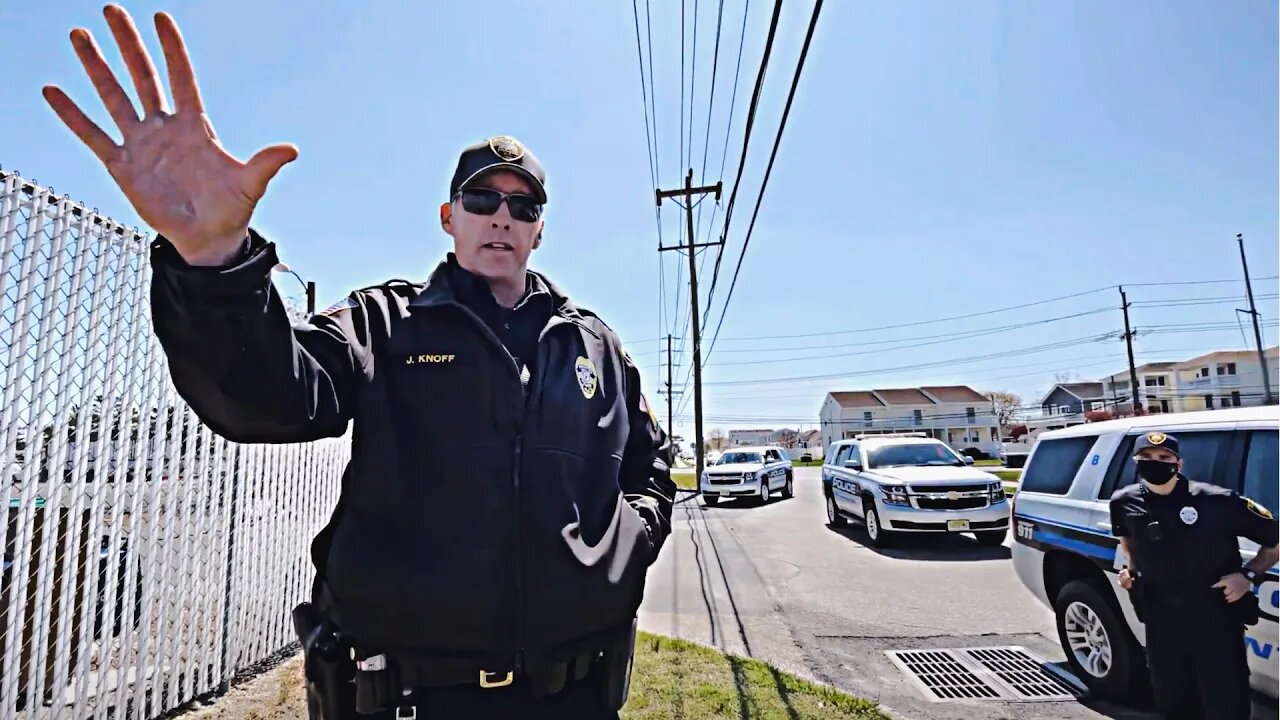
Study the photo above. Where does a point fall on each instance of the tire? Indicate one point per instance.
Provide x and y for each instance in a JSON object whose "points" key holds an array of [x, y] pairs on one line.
{"points": [[789, 490], [834, 518], [764, 491], [876, 534], [1109, 661], [991, 538]]}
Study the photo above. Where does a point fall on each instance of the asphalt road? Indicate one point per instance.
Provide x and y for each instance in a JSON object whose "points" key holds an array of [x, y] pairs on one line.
{"points": [[776, 583]]}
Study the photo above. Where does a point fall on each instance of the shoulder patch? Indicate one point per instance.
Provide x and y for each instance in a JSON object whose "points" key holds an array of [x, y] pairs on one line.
{"points": [[1258, 510]]}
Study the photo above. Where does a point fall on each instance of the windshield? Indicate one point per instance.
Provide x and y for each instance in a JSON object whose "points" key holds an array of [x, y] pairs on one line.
{"points": [[912, 454], [730, 458]]}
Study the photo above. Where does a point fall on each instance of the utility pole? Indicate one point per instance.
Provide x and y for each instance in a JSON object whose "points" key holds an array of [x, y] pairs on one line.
{"points": [[311, 298], [1257, 332], [1128, 340], [687, 192]]}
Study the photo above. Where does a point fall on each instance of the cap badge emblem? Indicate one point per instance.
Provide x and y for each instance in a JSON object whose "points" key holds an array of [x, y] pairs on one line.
{"points": [[1157, 438], [507, 148]]}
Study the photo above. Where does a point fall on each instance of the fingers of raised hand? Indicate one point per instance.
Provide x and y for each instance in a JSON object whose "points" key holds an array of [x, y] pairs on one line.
{"points": [[136, 58], [182, 78], [104, 81], [87, 130]]}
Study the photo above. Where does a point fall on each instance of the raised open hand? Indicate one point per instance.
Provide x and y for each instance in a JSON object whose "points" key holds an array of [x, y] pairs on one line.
{"points": [[170, 166]]}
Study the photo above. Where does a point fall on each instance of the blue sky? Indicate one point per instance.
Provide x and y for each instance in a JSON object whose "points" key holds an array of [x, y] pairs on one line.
{"points": [[941, 160]]}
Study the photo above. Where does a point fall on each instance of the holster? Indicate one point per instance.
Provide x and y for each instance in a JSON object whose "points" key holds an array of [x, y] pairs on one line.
{"points": [[1247, 609], [615, 670], [328, 667]]}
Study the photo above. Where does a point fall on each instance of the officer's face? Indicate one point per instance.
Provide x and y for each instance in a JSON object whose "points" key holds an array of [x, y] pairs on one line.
{"points": [[497, 246], [1159, 454]]}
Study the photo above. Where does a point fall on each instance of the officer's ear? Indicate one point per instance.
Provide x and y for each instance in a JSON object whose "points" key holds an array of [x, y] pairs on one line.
{"points": [[446, 217], [537, 239]]}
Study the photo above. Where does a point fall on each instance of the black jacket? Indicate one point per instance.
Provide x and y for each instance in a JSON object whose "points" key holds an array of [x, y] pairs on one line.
{"points": [[484, 514]]}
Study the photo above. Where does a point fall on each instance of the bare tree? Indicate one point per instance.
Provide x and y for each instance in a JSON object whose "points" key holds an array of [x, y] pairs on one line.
{"points": [[716, 439], [1005, 405]]}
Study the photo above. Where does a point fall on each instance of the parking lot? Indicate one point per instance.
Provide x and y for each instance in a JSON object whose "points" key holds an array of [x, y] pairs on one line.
{"points": [[776, 583]]}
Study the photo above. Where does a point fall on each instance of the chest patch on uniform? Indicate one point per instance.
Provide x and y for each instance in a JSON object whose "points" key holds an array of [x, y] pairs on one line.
{"points": [[1189, 515], [587, 376], [1257, 509]]}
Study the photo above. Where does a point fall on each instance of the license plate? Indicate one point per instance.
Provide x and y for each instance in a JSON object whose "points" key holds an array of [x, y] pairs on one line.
{"points": [[724, 493], [957, 525]]}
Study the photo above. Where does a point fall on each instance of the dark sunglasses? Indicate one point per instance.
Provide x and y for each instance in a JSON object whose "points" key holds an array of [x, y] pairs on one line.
{"points": [[483, 201]]}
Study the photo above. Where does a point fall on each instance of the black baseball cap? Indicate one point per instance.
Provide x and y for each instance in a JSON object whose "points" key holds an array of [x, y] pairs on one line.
{"points": [[1156, 440], [501, 152]]}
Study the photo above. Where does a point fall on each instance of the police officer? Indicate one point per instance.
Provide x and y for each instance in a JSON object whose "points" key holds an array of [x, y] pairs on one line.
{"points": [[1184, 572], [508, 485]]}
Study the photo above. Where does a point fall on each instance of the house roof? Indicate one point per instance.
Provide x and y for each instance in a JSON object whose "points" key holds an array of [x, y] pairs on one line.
{"points": [[857, 398], [954, 393], [1084, 390], [1228, 356], [1123, 375], [904, 396]]}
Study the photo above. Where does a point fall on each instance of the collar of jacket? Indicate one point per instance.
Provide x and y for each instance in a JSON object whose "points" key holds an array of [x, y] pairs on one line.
{"points": [[440, 291]]}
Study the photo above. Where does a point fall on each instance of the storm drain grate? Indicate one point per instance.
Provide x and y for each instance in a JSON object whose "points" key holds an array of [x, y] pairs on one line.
{"points": [[992, 673]]}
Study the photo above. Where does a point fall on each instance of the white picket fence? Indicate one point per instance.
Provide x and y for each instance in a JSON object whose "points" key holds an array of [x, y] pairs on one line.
{"points": [[146, 561]]}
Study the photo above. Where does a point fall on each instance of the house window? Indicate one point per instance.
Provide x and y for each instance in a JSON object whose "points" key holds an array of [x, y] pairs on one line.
{"points": [[918, 417], [1235, 399], [866, 419], [1096, 404], [1158, 381], [970, 415], [1208, 401], [1204, 372]]}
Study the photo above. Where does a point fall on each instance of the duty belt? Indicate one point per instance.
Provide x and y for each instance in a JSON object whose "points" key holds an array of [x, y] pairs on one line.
{"points": [[384, 679]]}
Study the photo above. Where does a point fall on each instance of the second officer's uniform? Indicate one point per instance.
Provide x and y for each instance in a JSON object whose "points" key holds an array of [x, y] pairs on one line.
{"points": [[1181, 544]]}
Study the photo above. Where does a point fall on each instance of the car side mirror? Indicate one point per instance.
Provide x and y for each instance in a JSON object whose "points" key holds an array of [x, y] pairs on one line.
{"points": [[853, 464], [967, 460]]}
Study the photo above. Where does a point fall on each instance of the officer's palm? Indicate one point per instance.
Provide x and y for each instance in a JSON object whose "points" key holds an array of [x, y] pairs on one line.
{"points": [[170, 166]]}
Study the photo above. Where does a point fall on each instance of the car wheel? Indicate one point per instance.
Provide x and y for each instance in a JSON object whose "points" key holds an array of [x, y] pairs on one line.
{"points": [[876, 533], [834, 518], [764, 491], [1097, 642], [991, 538], [789, 490]]}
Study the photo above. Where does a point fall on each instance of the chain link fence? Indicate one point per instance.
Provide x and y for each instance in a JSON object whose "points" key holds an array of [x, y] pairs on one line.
{"points": [[146, 560]]}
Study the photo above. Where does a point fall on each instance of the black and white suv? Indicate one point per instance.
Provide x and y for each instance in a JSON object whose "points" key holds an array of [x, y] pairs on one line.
{"points": [[755, 472], [1065, 555], [909, 482]]}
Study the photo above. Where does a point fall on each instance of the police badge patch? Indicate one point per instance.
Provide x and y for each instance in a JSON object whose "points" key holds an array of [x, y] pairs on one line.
{"points": [[507, 148], [587, 376], [1157, 438]]}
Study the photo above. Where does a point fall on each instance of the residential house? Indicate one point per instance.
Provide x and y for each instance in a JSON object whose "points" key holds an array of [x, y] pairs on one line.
{"points": [[1074, 399], [957, 415], [743, 438], [1159, 388], [1227, 378]]}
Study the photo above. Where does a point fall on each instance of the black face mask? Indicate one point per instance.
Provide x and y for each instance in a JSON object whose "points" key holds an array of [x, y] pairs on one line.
{"points": [[1157, 472]]}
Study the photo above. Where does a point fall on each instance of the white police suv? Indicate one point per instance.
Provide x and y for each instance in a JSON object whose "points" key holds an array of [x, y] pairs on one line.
{"points": [[909, 482], [1065, 555], [754, 472]]}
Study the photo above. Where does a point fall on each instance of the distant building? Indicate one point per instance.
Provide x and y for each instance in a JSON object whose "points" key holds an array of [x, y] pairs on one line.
{"points": [[1226, 378], [957, 415], [1073, 400]]}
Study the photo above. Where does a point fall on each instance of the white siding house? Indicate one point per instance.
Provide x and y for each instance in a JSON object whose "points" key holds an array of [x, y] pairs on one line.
{"points": [[958, 415], [1227, 378]]}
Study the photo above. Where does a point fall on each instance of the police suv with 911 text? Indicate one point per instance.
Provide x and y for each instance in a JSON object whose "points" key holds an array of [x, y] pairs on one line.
{"points": [[909, 482]]}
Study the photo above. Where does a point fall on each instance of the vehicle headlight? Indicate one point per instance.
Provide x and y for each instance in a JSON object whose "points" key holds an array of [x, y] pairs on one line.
{"points": [[997, 493], [895, 495]]}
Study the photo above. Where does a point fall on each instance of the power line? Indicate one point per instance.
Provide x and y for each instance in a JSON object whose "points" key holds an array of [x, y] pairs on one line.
{"points": [[773, 155], [724, 155], [746, 141], [1199, 282]]}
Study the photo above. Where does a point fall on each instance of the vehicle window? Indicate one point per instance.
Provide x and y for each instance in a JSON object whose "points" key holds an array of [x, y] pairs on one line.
{"points": [[913, 454], [841, 455], [1054, 464], [1203, 455], [1262, 469], [739, 457], [855, 453]]}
